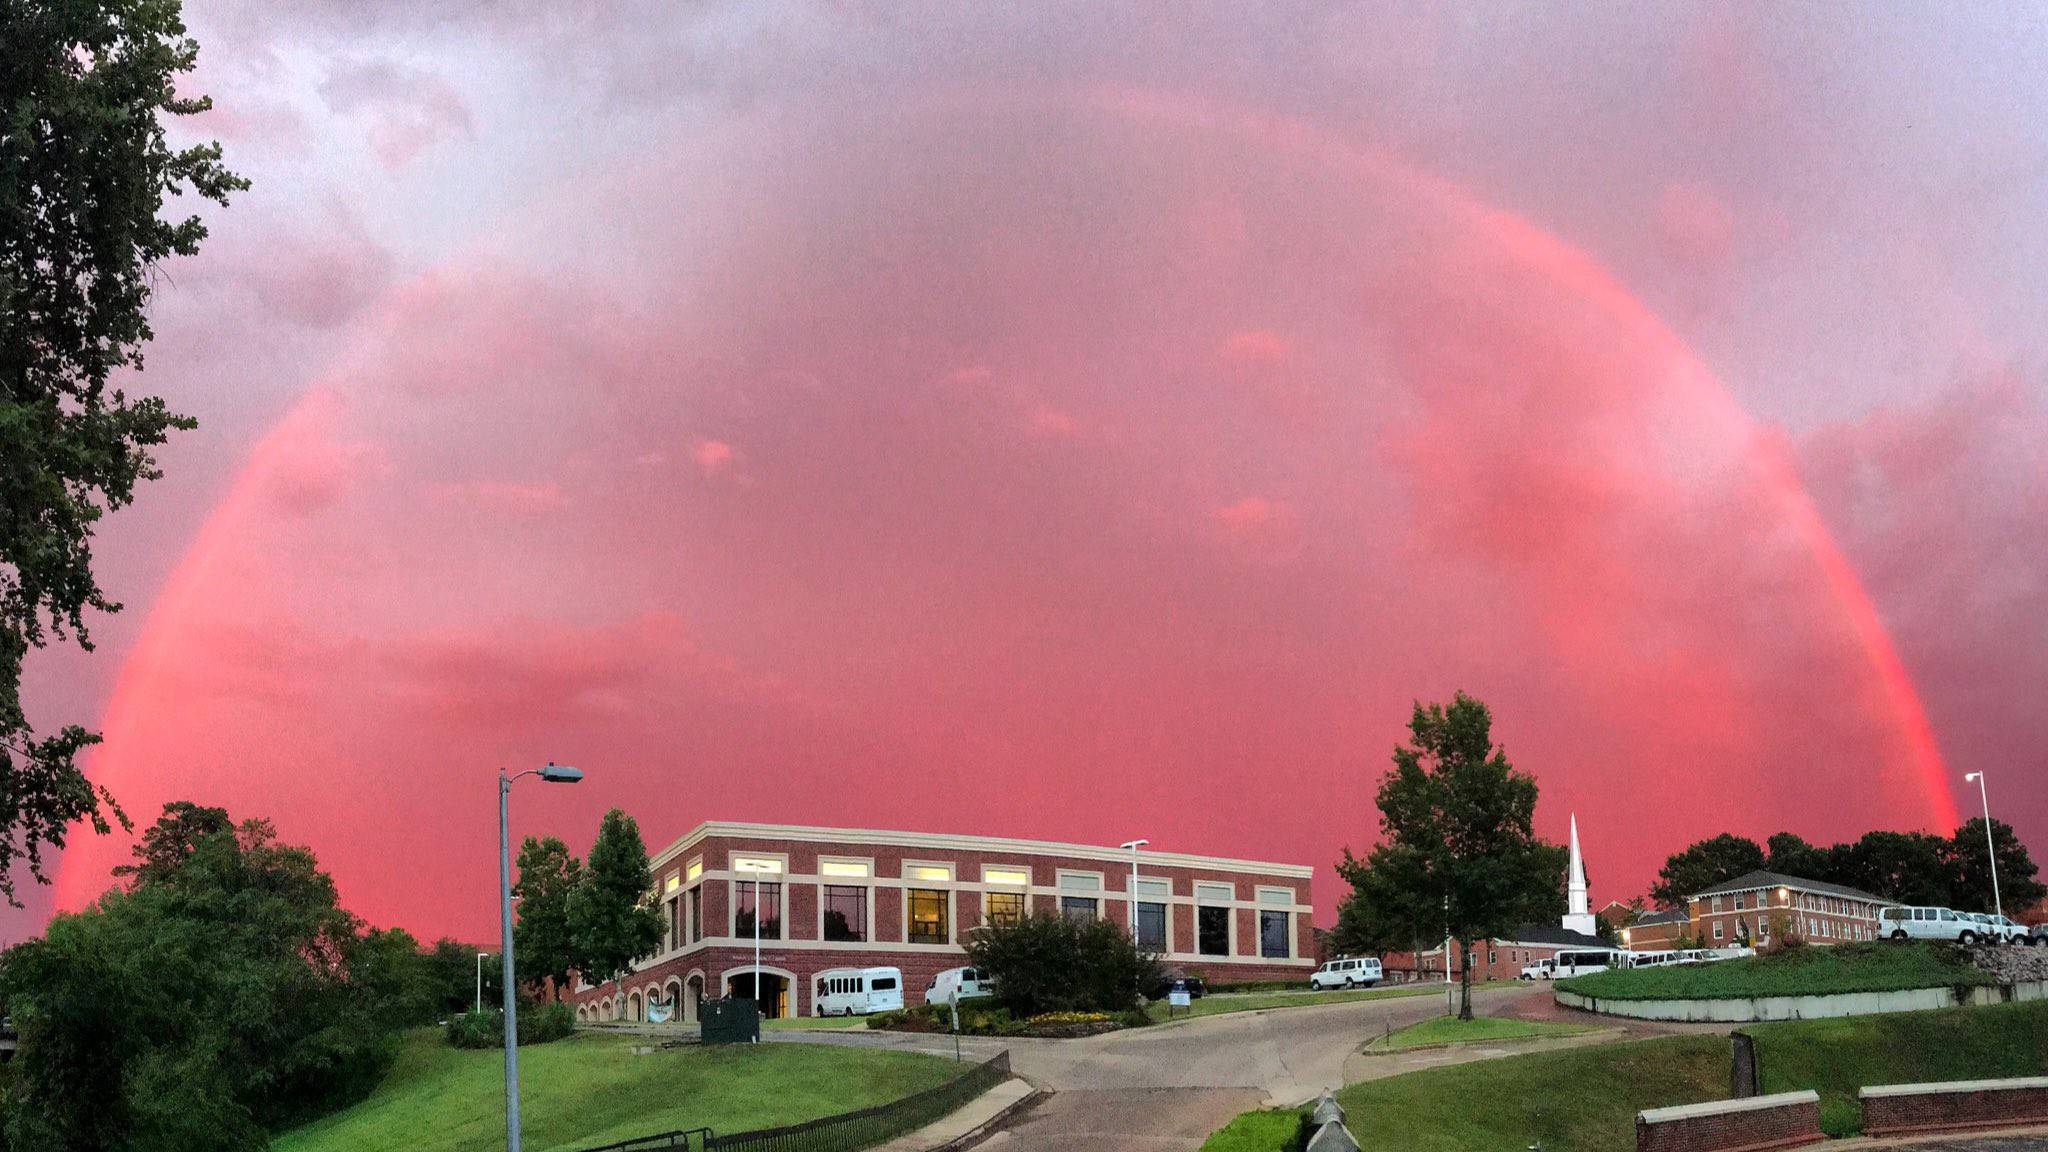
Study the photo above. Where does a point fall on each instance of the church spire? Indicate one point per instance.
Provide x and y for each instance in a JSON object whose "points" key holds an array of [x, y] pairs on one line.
{"points": [[1578, 917]]}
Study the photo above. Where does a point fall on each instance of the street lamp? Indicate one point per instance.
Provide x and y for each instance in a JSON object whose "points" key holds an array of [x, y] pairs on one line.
{"points": [[553, 774], [1990, 847], [480, 981], [1131, 904]]}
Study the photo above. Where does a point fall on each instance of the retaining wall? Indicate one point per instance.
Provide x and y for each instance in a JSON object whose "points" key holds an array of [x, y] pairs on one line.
{"points": [[1782, 1120], [1957, 1105], [1733, 1010]]}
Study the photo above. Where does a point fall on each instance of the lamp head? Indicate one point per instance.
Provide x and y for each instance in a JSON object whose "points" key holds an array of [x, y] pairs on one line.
{"points": [[1972, 777], [1133, 844], [561, 774]]}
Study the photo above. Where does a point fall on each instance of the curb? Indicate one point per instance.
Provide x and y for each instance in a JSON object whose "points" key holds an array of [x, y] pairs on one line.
{"points": [[1369, 1050], [988, 1127]]}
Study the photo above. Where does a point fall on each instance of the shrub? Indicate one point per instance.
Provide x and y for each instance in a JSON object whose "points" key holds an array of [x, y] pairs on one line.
{"points": [[1050, 963], [538, 1024]]}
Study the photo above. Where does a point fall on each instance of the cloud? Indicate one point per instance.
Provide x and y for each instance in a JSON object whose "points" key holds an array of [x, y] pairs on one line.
{"points": [[408, 110]]}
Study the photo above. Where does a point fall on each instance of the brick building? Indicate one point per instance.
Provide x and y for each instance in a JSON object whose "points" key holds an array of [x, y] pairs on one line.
{"points": [[1753, 908], [841, 898], [1502, 958], [1756, 905]]}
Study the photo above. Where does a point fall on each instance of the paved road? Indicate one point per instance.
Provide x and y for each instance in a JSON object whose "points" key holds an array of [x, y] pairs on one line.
{"points": [[1167, 1087]]}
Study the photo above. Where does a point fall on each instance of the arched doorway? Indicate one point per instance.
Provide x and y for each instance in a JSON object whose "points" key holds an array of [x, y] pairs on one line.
{"points": [[634, 1010], [769, 988], [693, 997]]}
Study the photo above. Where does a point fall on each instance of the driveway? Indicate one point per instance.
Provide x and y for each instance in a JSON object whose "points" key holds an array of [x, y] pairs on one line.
{"points": [[1170, 1085]]}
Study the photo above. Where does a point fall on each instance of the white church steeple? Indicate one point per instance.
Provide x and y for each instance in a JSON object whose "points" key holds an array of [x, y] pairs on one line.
{"points": [[1577, 916]]}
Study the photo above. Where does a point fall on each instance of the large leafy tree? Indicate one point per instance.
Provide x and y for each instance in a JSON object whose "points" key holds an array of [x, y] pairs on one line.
{"points": [[1046, 962], [1704, 865], [85, 89], [1911, 867], [1970, 869], [210, 1002], [1458, 846], [542, 940], [611, 919]]}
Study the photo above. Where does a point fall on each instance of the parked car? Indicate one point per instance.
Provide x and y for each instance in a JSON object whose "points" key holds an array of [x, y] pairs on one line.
{"points": [[966, 983], [1918, 923], [857, 991], [1540, 970], [2010, 931], [1177, 982], [1349, 973], [2038, 935]]}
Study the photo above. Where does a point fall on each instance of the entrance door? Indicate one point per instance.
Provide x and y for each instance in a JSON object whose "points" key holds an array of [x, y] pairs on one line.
{"points": [[769, 992], [693, 996]]}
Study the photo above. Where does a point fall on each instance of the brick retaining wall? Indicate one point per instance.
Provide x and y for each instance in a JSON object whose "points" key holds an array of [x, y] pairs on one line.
{"points": [[1759, 1122], [1958, 1105]]}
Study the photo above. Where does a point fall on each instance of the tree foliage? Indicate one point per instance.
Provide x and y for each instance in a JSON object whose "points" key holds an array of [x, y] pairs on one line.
{"points": [[1909, 867], [1458, 853], [85, 89], [541, 940], [223, 994], [1047, 962], [610, 917]]}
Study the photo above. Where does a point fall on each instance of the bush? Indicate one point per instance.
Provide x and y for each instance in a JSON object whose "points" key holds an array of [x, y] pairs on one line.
{"points": [[538, 1024], [1049, 963]]}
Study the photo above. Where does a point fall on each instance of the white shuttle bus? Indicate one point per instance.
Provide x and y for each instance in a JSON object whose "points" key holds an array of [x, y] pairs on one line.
{"points": [[857, 991], [1578, 963]]}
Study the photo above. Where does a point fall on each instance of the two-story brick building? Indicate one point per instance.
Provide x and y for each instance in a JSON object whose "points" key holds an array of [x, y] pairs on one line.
{"points": [[1756, 907], [839, 898]]}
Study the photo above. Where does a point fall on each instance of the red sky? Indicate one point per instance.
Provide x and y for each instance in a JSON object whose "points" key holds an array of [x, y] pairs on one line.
{"points": [[1085, 427]]}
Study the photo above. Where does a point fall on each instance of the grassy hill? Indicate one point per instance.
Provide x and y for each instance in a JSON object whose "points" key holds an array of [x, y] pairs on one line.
{"points": [[591, 1089], [1585, 1099], [1881, 966]]}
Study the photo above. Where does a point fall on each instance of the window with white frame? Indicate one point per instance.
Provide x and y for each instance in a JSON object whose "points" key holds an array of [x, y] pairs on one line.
{"points": [[1212, 918], [1080, 894], [1151, 913]]}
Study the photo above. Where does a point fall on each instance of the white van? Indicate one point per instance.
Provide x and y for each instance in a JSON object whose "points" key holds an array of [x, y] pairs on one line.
{"points": [[1540, 970], [968, 982], [857, 991], [1361, 973], [1649, 959], [1928, 924]]}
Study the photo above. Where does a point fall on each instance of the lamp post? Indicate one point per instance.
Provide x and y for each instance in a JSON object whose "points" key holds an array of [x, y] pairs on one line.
{"points": [[480, 982], [1131, 904], [1990, 847], [553, 774]]}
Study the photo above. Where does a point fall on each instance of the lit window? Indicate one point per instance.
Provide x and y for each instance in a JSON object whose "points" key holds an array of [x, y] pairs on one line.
{"points": [[939, 872], [764, 864], [695, 870], [674, 882], [1001, 909], [1005, 874], [927, 916], [843, 868]]}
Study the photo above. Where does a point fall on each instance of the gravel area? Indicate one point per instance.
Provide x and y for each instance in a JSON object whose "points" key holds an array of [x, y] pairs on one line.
{"points": [[2012, 963]]}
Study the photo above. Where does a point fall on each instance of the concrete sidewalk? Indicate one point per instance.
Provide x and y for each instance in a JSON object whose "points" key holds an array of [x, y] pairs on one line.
{"points": [[966, 1124]]}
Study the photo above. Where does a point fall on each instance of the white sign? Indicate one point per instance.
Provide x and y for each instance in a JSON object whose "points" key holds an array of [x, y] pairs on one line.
{"points": [[1179, 998]]}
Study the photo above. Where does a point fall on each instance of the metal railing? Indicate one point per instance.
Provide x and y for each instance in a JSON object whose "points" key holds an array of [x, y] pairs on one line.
{"points": [[846, 1132]]}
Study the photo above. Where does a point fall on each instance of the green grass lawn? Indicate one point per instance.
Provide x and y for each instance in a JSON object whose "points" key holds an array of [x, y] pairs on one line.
{"points": [[1451, 1030], [1880, 966], [1585, 1099], [808, 1022], [1217, 1003], [1836, 1057], [590, 1089], [1266, 1130]]}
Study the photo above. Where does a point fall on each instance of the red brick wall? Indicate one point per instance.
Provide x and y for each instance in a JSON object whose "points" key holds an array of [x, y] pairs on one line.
{"points": [[1942, 1111], [1795, 1122]]}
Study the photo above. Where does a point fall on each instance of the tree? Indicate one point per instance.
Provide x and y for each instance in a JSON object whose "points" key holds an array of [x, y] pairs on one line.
{"points": [[85, 91], [1910, 867], [548, 875], [1604, 929], [169, 842], [1704, 865], [1458, 846], [609, 915], [1046, 962], [1970, 869], [207, 1004], [452, 973], [1791, 855]]}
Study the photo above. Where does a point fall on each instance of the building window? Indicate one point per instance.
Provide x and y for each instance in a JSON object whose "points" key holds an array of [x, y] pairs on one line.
{"points": [[696, 914], [1002, 909], [846, 912], [1717, 929], [927, 916], [767, 899], [694, 872], [930, 873], [1212, 931], [1012, 874], [1273, 934], [1717, 903], [847, 869], [1151, 926], [1078, 907]]}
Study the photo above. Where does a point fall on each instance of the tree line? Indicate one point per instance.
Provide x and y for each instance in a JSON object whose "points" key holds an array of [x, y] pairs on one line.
{"points": [[1910, 867]]}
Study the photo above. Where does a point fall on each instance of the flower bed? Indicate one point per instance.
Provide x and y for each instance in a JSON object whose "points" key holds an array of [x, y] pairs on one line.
{"points": [[992, 1021]]}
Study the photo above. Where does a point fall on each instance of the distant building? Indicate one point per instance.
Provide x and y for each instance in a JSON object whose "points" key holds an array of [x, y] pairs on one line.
{"points": [[1504, 957], [1656, 931], [1756, 906], [855, 898]]}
